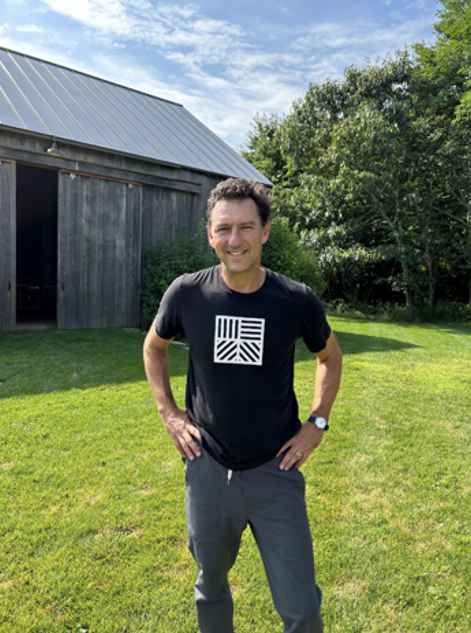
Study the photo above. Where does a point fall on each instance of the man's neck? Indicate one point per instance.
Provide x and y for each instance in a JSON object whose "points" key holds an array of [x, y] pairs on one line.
{"points": [[246, 282]]}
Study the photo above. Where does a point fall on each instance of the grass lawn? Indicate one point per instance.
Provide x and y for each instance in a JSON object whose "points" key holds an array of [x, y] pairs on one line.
{"points": [[92, 531]]}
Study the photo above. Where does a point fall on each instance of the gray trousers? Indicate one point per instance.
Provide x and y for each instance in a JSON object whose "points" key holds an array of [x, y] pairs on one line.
{"points": [[220, 504]]}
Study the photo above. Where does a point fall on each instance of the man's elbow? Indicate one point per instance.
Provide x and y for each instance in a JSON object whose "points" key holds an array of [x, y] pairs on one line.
{"points": [[147, 344], [154, 345], [332, 352]]}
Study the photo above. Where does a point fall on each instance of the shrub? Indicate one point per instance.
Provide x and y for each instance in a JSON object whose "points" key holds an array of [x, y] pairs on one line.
{"points": [[161, 266], [451, 311], [285, 253]]}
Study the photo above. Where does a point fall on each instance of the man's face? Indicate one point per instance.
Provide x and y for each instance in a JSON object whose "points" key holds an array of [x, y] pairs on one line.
{"points": [[237, 235]]}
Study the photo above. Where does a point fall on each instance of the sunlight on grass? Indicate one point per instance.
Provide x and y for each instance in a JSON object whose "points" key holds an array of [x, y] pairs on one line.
{"points": [[92, 525]]}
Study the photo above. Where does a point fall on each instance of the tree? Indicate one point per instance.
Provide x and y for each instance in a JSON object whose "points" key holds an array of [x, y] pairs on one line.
{"points": [[446, 65], [264, 148], [369, 177], [448, 61]]}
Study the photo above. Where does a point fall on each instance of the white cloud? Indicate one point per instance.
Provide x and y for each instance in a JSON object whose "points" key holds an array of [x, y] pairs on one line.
{"points": [[367, 37], [104, 15], [165, 26], [29, 28]]}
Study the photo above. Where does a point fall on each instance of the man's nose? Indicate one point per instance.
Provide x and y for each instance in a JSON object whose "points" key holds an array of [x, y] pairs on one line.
{"points": [[234, 237]]}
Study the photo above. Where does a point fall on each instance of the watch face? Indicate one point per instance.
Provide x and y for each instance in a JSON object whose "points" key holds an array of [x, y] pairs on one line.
{"points": [[320, 423]]}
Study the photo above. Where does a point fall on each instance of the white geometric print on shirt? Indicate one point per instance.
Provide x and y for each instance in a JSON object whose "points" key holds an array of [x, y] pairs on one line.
{"points": [[239, 340]]}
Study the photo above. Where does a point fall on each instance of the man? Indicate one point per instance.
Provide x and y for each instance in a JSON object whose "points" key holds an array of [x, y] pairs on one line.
{"points": [[240, 435]]}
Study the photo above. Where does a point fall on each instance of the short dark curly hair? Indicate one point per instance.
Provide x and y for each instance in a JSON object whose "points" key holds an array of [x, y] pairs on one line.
{"points": [[240, 189]]}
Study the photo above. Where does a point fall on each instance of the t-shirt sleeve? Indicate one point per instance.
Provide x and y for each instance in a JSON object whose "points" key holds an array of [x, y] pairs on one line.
{"points": [[168, 321], [315, 330]]}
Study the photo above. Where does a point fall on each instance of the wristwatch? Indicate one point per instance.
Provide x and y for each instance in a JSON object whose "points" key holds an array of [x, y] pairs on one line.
{"points": [[319, 422]]}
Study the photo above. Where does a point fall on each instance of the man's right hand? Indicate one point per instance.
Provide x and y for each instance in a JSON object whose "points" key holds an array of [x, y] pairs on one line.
{"points": [[185, 435]]}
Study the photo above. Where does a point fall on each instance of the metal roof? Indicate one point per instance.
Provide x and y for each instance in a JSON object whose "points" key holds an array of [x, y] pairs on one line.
{"points": [[52, 100]]}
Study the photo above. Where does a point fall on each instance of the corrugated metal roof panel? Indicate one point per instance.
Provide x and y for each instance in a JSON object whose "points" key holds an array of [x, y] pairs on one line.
{"points": [[45, 98]]}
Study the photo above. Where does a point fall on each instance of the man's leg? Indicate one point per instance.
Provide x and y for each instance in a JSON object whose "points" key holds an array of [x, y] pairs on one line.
{"points": [[278, 520], [215, 524]]}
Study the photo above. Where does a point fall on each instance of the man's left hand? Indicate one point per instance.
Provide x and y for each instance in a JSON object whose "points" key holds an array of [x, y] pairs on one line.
{"points": [[300, 446]]}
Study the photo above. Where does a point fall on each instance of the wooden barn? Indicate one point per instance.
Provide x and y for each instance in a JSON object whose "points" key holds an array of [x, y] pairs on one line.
{"points": [[92, 174]]}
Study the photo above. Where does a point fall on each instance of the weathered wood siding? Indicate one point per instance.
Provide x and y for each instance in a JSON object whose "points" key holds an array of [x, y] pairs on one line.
{"points": [[207, 183], [99, 251], [167, 216], [7, 245]]}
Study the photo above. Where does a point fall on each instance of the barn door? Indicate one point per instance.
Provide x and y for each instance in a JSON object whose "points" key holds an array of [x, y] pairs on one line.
{"points": [[7, 245], [99, 251]]}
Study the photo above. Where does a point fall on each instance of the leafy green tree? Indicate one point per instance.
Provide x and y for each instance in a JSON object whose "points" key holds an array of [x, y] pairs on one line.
{"points": [[264, 147], [448, 61], [446, 67], [374, 177]]}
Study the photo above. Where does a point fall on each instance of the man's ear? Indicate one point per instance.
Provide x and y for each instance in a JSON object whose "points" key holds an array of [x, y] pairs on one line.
{"points": [[209, 233], [266, 232]]}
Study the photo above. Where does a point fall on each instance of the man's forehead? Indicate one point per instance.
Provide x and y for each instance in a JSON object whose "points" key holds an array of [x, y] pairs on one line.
{"points": [[235, 211]]}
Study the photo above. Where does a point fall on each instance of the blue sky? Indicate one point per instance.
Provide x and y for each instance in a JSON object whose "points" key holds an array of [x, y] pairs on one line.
{"points": [[224, 61]]}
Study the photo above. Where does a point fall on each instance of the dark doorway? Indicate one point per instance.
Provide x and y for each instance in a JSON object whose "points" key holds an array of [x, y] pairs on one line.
{"points": [[36, 244]]}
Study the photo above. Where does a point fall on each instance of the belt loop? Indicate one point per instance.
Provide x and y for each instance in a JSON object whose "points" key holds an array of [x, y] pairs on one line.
{"points": [[229, 477]]}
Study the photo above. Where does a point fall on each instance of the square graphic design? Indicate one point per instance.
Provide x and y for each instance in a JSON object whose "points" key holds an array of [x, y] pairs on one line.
{"points": [[239, 340]]}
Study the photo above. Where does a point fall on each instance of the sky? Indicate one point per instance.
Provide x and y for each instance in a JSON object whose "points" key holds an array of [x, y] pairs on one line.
{"points": [[226, 62]]}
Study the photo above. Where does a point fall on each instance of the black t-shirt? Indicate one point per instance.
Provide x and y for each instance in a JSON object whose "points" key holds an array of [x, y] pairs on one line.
{"points": [[239, 388]]}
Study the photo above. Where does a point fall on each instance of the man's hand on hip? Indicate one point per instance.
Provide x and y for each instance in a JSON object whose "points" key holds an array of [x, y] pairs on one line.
{"points": [[185, 435], [297, 449]]}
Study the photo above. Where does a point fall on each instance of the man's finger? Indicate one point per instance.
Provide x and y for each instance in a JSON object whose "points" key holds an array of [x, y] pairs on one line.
{"points": [[191, 447], [284, 448], [290, 459], [192, 440], [194, 430], [178, 447], [186, 449]]}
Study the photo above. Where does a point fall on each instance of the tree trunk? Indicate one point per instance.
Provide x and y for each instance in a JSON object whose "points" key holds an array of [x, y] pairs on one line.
{"points": [[408, 290], [410, 302], [431, 282], [468, 220], [398, 234]]}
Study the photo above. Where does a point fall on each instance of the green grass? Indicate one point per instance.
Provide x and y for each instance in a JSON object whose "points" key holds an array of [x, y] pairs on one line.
{"points": [[92, 530]]}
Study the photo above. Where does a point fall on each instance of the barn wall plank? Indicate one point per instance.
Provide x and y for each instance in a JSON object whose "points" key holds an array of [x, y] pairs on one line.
{"points": [[167, 216], [134, 218], [7, 245]]}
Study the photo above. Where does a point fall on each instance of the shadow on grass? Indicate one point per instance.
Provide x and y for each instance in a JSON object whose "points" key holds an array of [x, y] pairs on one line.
{"points": [[60, 360], [360, 344], [463, 329]]}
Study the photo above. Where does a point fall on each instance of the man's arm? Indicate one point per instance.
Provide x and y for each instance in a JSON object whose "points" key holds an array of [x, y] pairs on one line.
{"points": [[327, 382], [184, 434]]}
